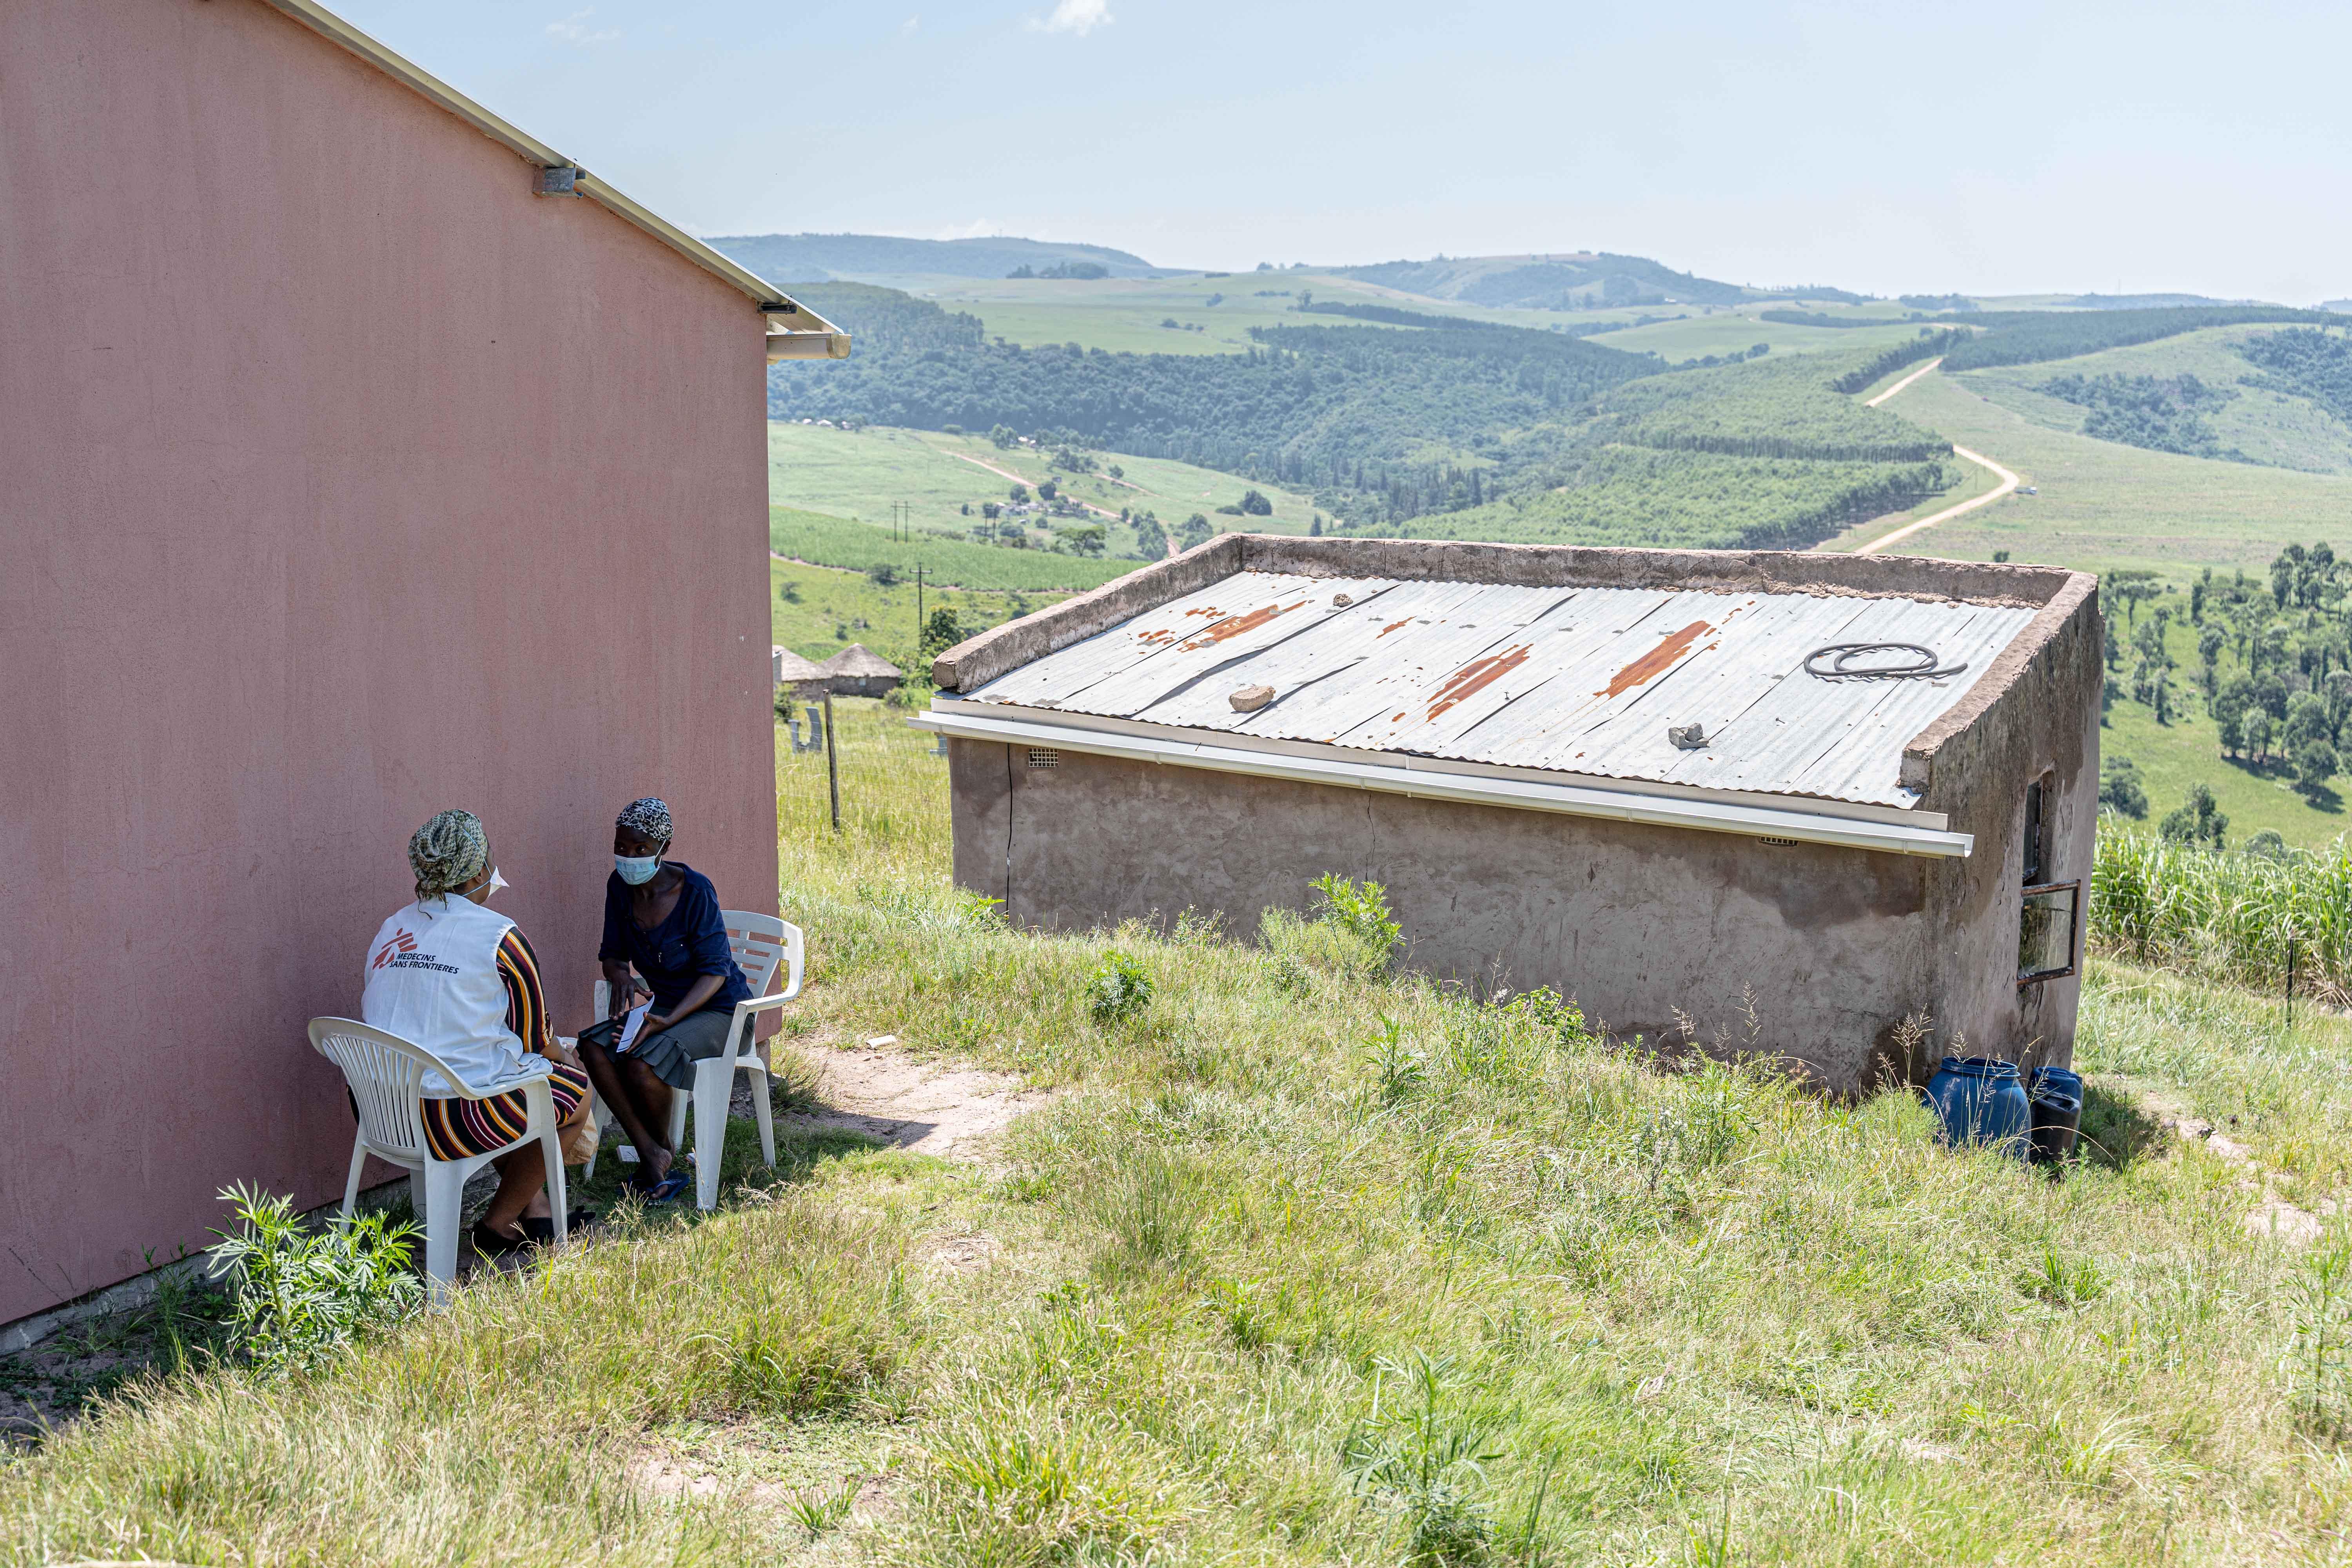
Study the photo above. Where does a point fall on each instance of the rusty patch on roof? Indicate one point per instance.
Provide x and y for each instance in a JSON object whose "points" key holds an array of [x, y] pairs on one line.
{"points": [[1394, 624], [1475, 677], [1657, 660], [1234, 626]]}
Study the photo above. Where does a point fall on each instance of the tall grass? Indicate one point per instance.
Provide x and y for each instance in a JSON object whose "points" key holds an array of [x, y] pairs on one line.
{"points": [[2232, 917], [893, 789], [1320, 1263]]}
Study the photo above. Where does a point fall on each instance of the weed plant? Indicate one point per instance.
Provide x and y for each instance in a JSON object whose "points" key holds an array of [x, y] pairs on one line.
{"points": [[300, 1295], [1119, 988]]}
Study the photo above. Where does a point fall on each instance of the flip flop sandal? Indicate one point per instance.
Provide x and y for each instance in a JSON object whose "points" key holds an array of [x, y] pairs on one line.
{"points": [[668, 1189]]}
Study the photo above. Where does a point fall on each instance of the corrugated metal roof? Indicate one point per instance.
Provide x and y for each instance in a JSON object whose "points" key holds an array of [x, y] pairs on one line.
{"points": [[1569, 680]]}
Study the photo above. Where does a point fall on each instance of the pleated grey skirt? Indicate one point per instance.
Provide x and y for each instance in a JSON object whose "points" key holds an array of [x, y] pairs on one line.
{"points": [[695, 1038]]}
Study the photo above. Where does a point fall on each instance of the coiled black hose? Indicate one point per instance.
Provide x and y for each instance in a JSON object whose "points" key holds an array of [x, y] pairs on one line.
{"points": [[1841, 655]]}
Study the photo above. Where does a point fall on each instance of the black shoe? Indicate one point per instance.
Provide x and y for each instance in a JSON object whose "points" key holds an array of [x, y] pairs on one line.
{"points": [[541, 1229], [490, 1244]]}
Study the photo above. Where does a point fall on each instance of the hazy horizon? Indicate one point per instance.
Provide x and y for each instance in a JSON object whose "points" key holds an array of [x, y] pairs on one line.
{"points": [[2011, 150]]}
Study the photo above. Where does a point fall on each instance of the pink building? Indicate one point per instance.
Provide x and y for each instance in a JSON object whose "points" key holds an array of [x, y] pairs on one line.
{"points": [[362, 458]]}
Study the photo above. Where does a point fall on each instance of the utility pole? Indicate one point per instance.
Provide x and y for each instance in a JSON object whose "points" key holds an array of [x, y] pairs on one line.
{"points": [[918, 609]]}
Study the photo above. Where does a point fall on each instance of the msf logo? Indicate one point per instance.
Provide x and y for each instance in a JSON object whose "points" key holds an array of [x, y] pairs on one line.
{"points": [[400, 942]]}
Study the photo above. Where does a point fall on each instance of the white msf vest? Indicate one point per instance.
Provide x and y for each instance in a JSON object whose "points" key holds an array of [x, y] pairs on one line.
{"points": [[433, 979]]}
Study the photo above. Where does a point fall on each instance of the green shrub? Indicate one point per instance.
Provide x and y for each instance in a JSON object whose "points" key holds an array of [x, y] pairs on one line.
{"points": [[303, 1295], [1360, 909], [1118, 988]]}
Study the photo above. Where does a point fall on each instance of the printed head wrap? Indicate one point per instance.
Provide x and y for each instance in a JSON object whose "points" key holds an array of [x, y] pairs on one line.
{"points": [[647, 818], [449, 852]]}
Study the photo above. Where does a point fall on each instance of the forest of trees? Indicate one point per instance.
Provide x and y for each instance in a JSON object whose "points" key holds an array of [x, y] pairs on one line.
{"points": [[2273, 659], [2304, 362], [2028, 337], [1786, 407], [1926, 345], [2163, 414], [1788, 318], [1613, 494]]}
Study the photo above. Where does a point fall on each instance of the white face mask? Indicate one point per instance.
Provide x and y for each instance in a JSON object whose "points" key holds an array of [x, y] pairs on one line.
{"points": [[637, 869], [481, 895]]}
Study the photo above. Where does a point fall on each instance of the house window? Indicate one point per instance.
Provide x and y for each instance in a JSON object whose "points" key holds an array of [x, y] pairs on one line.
{"points": [[2046, 931], [1045, 757], [2037, 831]]}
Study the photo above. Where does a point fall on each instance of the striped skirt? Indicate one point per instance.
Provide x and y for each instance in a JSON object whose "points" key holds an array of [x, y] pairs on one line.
{"points": [[459, 1129]]}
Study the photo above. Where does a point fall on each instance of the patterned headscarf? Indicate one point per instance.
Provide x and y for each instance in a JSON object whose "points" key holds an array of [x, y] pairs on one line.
{"points": [[449, 852], [647, 818]]}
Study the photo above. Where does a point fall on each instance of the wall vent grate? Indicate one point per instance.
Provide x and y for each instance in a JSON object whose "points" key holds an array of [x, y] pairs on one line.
{"points": [[1045, 757], [1778, 842]]}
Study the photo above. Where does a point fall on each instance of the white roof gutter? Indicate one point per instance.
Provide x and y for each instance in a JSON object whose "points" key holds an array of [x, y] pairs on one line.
{"points": [[794, 331], [1572, 800]]}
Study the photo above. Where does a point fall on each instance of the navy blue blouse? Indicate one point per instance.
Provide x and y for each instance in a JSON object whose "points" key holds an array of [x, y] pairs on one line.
{"points": [[690, 944]]}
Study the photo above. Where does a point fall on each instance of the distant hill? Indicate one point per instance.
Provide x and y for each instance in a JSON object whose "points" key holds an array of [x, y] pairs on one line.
{"points": [[1564, 283], [2148, 301], [799, 258]]}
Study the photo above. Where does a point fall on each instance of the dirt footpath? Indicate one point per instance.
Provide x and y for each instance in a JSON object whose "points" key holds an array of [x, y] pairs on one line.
{"points": [[878, 1088]]}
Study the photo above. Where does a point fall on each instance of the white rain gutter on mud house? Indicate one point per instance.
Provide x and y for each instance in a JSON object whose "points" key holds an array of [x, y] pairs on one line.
{"points": [[975, 722]]}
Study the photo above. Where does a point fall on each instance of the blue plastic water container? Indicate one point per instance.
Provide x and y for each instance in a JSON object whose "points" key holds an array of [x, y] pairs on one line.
{"points": [[1982, 1101], [2059, 1078]]}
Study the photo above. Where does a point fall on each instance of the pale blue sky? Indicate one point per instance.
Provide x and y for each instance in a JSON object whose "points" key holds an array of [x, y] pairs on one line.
{"points": [[1995, 148]]}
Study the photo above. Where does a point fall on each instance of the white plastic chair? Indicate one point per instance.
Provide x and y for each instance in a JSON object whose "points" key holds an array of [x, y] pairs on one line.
{"points": [[759, 945], [386, 1075]]}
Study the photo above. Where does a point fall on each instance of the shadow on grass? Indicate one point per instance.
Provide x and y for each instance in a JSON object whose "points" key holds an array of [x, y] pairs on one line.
{"points": [[2267, 769], [798, 1157], [2115, 1133], [186, 1325]]}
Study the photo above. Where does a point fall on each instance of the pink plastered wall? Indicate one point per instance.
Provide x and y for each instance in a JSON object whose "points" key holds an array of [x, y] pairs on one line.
{"points": [[341, 479]]}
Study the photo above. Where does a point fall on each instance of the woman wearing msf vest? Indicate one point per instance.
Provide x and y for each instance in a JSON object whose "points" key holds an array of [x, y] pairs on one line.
{"points": [[453, 976], [661, 919]]}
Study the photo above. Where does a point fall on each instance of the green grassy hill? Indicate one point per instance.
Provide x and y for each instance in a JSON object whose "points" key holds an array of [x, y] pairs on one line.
{"points": [[860, 475], [2263, 426], [780, 258], [2104, 505], [824, 540], [820, 610]]}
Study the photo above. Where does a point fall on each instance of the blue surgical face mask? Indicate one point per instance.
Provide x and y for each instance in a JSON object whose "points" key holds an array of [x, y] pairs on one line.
{"points": [[637, 869]]}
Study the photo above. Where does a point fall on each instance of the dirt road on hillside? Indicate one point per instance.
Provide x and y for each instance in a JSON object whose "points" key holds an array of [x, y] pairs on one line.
{"points": [[2009, 481], [1017, 478]]}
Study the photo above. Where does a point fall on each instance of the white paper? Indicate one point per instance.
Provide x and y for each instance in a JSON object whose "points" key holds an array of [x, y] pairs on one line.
{"points": [[635, 1021]]}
